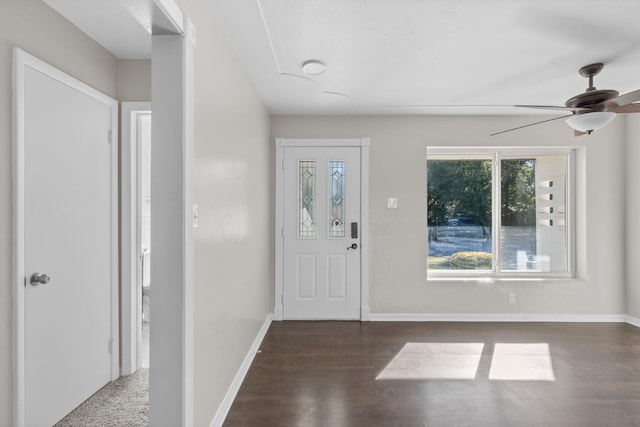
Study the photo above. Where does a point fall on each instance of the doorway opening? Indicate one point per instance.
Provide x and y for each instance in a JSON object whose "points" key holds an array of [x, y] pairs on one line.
{"points": [[136, 235], [143, 144], [126, 400]]}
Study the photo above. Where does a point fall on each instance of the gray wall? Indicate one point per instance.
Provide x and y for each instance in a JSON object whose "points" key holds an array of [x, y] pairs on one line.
{"points": [[633, 216], [234, 191], [398, 252], [34, 27], [134, 80]]}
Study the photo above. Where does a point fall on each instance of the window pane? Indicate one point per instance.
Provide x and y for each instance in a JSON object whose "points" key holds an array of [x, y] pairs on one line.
{"points": [[336, 199], [533, 230], [459, 214], [306, 199]]}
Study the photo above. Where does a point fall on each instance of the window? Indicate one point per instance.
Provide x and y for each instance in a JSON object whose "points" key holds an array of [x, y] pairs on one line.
{"points": [[307, 199], [498, 212]]}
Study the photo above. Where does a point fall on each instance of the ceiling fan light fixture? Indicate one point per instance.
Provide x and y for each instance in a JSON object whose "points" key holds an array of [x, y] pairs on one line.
{"points": [[589, 122], [314, 67]]}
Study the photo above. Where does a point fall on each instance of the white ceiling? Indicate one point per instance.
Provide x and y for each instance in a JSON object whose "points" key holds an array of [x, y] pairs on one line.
{"points": [[123, 27], [406, 56], [435, 56]]}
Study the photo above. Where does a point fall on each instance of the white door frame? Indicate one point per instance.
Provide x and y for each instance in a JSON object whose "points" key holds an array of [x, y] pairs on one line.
{"points": [[22, 60], [131, 296], [363, 143]]}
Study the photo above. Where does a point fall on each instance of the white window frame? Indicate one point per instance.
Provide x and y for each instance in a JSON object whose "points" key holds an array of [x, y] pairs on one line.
{"points": [[496, 154]]}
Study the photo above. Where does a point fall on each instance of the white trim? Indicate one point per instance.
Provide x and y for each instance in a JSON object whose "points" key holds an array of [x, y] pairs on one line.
{"points": [[485, 152], [364, 144], [188, 68], [633, 321], [578, 169], [130, 300], [442, 317], [115, 243], [21, 60], [364, 232], [278, 313], [322, 142], [19, 353], [170, 10], [233, 389]]}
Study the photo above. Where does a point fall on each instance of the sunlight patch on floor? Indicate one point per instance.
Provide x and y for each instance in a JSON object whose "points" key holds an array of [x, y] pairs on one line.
{"points": [[521, 362], [420, 361]]}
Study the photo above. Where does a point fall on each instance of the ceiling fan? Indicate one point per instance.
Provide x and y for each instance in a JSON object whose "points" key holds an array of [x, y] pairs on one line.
{"points": [[593, 108]]}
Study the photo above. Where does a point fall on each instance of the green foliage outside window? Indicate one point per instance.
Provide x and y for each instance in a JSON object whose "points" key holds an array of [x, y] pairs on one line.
{"points": [[518, 192], [459, 188], [462, 189]]}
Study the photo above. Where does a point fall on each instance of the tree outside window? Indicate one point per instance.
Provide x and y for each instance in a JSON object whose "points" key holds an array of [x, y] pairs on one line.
{"points": [[525, 214]]}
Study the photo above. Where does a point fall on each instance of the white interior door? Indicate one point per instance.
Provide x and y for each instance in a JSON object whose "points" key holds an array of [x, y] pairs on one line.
{"points": [[68, 265], [321, 214]]}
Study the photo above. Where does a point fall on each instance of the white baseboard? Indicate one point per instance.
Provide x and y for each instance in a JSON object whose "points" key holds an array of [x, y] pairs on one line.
{"points": [[633, 321], [224, 407], [423, 317]]}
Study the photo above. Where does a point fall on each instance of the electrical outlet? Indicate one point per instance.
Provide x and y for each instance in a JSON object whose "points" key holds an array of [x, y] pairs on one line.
{"points": [[512, 297]]}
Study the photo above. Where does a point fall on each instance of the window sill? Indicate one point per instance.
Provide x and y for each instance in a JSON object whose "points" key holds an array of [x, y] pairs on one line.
{"points": [[493, 278]]}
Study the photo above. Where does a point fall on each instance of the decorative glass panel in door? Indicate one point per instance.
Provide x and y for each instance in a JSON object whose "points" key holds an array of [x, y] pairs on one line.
{"points": [[307, 198], [336, 198]]}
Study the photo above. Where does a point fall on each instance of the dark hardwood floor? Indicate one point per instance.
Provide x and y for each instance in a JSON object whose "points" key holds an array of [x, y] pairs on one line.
{"points": [[443, 374]]}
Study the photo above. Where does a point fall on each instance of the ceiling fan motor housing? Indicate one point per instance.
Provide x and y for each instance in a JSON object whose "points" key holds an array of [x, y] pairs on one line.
{"points": [[591, 98]]}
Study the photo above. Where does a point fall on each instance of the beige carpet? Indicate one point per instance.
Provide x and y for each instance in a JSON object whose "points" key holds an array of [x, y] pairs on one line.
{"points": [[124, 402]]}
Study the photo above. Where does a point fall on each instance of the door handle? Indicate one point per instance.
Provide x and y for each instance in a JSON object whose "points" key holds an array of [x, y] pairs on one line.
{"points": [[353, 246], [39, 279]]}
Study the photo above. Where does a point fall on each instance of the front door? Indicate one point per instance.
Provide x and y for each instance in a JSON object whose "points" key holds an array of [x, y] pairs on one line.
{"points": [[68, 192], [321, 228]]}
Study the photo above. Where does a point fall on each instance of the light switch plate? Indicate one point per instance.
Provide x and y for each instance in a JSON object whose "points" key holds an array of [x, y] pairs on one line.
{"points": [[392, 203], [195, 216]]}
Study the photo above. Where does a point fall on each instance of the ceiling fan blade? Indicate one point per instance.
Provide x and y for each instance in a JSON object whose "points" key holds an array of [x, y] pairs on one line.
{"points": [[531, 124], [556, 107], [622, 100], [629, 108]]}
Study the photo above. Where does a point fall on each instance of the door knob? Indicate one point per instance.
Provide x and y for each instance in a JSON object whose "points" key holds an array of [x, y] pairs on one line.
{"points": [[39, 279], [353, 246]]}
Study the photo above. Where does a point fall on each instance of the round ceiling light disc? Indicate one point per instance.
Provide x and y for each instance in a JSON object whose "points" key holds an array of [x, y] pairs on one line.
{"points": [[314, 67]]}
